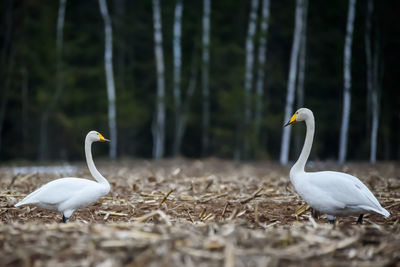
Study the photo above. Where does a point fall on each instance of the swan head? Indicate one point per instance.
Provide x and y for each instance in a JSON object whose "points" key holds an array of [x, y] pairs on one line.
{"points": [[301, 114], [94, 136]]}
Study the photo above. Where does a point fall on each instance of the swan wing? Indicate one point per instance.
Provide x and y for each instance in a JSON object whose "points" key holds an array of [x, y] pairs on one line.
{"points": [[346, 189], [56, 191]]}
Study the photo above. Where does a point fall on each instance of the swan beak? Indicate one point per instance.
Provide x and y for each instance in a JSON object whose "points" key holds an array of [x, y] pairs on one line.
{"points": [[293, 119], [103, 139]]}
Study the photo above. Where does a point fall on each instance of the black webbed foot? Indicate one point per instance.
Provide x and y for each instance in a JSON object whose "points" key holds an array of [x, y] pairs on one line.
{"points": [[332, 221], [360, 219], [64, 219]]}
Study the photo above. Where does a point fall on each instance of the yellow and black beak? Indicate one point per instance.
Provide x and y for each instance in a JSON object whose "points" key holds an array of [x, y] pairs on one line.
{"points": [[103, 139], [293, 119]]}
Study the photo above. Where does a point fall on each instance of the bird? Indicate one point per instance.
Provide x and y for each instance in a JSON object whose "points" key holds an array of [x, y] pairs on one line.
{"points": [[329, 192], [68, 194]]}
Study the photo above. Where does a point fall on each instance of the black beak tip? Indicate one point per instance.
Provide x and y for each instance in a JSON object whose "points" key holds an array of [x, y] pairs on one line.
{"points": [[287, 124]]}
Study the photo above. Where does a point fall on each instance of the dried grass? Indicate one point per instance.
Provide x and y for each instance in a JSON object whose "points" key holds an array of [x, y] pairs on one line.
{"points": [[197, 213]]}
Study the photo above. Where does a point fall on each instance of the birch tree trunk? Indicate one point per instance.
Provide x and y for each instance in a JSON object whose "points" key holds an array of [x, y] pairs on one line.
{"points": [[302, 71], [177, 72], [302, 58], [108, 65], [158, 127], [248, 79], [185, 107], [344, 130], [375, 100], [262, 52], [59, 81], [292, 81], [205, 76], [369, 67]]}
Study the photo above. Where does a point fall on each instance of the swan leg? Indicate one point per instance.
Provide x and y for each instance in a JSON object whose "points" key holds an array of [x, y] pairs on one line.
{"points": [[360, 219], [330, 218], [64, 219]]}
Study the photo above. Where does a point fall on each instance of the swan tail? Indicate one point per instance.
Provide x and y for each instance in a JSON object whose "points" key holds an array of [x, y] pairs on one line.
{"points": [[384, 212], [20, 203], [381, 210], [29, 199], [23, 202]]}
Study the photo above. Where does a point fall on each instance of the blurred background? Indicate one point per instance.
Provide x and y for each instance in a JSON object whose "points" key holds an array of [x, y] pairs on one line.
{"points": [[202, 78]]}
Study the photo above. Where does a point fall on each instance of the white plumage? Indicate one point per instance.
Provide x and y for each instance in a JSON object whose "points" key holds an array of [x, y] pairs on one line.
{"points": [[332, 193], [68, 194]]}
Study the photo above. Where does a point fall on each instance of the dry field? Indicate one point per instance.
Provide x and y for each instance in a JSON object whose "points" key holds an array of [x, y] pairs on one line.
{"points": [[196, 213]]}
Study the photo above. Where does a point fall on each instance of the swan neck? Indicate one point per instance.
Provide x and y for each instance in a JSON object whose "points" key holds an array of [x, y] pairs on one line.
{"points": [[305, 152], [92, 168]]}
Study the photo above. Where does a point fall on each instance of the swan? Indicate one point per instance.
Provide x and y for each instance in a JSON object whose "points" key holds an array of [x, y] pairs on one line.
{"points": [[329, 192], [68, 194]]}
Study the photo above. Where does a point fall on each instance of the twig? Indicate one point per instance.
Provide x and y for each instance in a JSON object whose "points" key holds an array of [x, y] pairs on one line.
{"points": [[314, 224], [255, 194], [151, 214], [203, 211], [190, 216], [229, 254], [166, 196], [210, 182], [234, 214], [112, 213], [226, 206], [303, 208], [393, 205]]}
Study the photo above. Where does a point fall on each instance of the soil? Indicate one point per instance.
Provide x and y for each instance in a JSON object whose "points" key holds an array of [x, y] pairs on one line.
{"points": [[197, 213]]}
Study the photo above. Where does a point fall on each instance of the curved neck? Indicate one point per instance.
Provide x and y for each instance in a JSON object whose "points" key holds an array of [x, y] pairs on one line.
{"points": [[305, 152], [92, 168]]}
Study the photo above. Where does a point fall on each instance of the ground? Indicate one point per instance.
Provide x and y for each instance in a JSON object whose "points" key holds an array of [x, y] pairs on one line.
{"points": [[196, 213]]}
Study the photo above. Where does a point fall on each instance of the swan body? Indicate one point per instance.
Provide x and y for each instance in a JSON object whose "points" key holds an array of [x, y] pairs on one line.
{"points": [[332, 193], [68, 194]]}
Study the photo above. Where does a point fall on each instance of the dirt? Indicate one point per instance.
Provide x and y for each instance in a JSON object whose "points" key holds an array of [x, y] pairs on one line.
{"points": [[198, 213]]}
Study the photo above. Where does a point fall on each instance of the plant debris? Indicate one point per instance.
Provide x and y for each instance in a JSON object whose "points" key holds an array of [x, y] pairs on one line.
{"points": [[197, 213]]}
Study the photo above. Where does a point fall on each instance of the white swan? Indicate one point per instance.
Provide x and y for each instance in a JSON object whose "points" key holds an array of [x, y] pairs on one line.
{"points": [[68, 194], [332, 193]]}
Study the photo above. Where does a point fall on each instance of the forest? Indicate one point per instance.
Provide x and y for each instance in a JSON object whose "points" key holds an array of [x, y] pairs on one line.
{"points": [[206, 104], [199, 78]]}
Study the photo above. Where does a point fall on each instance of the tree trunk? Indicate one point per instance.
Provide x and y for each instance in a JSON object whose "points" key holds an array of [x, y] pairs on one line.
{"points": [[205, 76], [185, 108], [368, 58], [302, 71], [375, 99], [108, 65], [302, 58], [177, 72], [262, 51], [292, 81], [43, 149], [248, 79], [369, 67], [344, 130], [158, 127]]}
